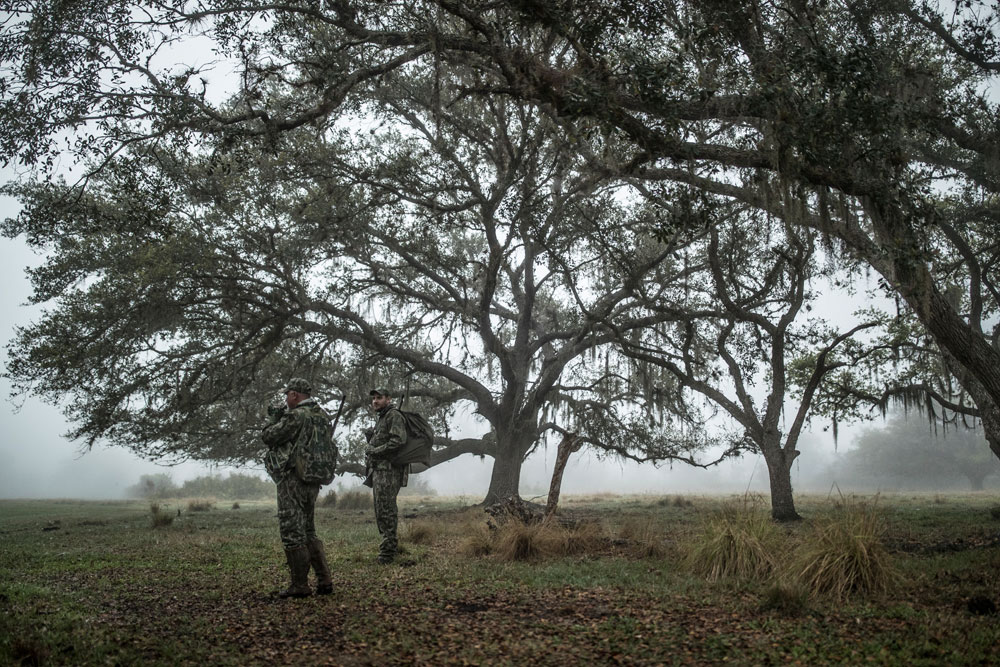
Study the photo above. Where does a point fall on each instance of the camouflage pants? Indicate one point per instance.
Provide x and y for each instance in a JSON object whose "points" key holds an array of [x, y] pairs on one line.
{"points": [[386, 482], [296, 506]]}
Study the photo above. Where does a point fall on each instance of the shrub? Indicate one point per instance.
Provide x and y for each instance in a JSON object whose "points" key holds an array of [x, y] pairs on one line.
{"points": [[159, 516], [519, 541], [354, 500], [995, 512], [236, 506], [200, 505], [421, 532], [738, 541], [845, 555], [478, 541], [329, 499], [585, 537]]}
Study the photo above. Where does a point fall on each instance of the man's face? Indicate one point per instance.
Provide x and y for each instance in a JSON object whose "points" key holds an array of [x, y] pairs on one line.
{"points": [[379, 401], [293, 398]]}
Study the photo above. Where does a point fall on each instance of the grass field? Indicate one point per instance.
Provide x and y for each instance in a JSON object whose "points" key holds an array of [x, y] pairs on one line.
{"points": [[94, 583]]}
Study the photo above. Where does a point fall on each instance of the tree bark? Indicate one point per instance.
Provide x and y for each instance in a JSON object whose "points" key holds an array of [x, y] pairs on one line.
{"points": [[907, 269], [506, 477], [570, 443], [779, 470]]}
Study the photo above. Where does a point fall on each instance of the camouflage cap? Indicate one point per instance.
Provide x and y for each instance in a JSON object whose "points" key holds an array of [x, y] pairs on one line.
{"points": [[300, 385], [381, 391]]}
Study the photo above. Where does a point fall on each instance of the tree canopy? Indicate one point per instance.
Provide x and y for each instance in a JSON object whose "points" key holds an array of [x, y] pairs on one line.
{"points": [[222, 159]]}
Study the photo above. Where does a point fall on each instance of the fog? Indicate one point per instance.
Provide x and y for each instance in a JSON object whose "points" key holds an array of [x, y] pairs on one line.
{"points": [[37, 461]]}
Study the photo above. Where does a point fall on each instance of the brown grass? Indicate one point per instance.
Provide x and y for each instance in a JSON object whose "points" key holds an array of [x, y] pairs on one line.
{"points": [[422, 531], [844, 555], [739, 541], [159, 516], [478, 541], [200, 505]]}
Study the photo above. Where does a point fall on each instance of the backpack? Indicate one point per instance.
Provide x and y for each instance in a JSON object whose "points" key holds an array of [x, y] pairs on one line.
{"points": [[316, 454], [416, 451]]}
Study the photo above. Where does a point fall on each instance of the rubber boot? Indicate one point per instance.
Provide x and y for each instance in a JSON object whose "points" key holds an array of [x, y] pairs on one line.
{"points": [[298, 565], [317, 556]]}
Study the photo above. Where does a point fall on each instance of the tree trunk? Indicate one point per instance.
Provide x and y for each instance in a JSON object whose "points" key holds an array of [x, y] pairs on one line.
{"points": [[779, 470], [912, 278], [506, 477], [976, 480], [570, 443]]}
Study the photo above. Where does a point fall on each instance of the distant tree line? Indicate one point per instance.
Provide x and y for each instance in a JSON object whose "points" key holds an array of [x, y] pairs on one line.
{"points": [[914, 454], [236, 486]]}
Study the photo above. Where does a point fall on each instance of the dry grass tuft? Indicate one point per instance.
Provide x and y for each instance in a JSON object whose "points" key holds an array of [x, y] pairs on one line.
{"points": [[329, 499], [739, 541], [422, 531], [478, 542], [585, 537], [200, 505], [515, 541], [160, 517], [519, 541], [845, 556]]}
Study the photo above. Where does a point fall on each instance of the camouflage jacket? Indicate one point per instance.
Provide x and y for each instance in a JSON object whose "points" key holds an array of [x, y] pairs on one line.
{"points": [[388, 436], [289, 431]]}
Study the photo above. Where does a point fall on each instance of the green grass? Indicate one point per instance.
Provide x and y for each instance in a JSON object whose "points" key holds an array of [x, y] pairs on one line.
{"points": [[88, 583]]}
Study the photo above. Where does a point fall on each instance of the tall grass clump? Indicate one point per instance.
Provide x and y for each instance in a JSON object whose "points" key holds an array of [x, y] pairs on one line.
{"points": [[739, 541], [845, 555], [200, 505], [422, 531], [521, 541], [517, 541], [585, 537], [329, 499], [478, 541], [160, 517]]}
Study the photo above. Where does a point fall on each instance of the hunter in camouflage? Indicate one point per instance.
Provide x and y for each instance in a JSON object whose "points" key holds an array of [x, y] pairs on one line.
{"points": [[289, 428], [388, 435]]}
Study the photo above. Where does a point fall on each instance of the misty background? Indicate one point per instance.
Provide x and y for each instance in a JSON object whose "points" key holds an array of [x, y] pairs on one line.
{"points": [[38, 461]]}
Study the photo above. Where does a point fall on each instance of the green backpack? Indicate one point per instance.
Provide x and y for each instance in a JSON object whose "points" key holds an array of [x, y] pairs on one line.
{"points": [[315, 453], [416, 452]]}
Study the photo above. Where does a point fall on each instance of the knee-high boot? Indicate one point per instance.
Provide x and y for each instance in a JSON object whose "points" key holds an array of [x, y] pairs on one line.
{"points": [[317, 555], [298, 566]]}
